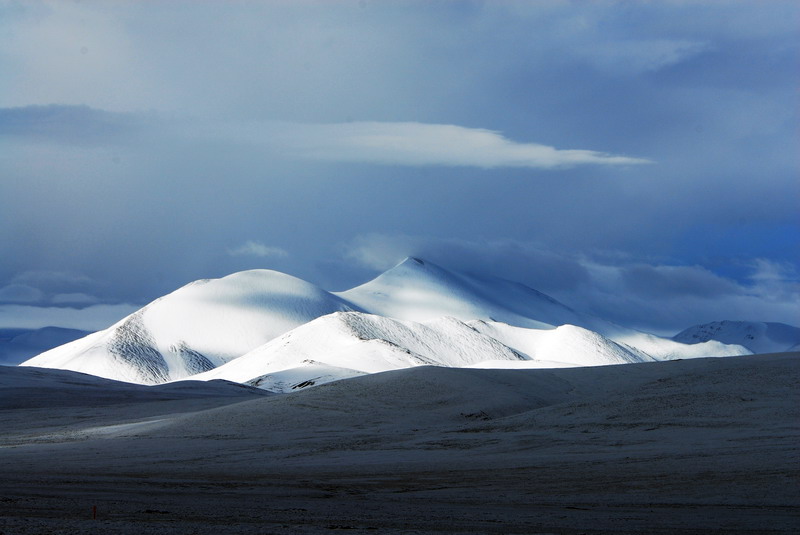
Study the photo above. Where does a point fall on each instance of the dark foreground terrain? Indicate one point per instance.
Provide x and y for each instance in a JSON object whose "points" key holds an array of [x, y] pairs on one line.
{"points": [[701, 446]]}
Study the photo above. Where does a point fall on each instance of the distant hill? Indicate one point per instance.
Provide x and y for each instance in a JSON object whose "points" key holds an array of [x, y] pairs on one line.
{"points": [[18, 345], [756, 336]]}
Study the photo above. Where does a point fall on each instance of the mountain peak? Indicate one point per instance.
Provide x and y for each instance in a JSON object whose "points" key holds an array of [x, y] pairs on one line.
{"points": [[410, 261], [419, 290], [199, 326]]}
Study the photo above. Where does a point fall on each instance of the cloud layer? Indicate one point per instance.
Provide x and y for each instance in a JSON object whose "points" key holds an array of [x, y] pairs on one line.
{"points": [[146, 145], [418, 144], [92, 318], [387, 143]]}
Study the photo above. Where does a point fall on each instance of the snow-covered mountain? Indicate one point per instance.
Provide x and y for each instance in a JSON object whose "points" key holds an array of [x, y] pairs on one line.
{"points": [[668, 349], [420, 291], [277, 331], [566, 344], [195, 328], [356, 343], [346, 344], [756, 336], [18, 345]]}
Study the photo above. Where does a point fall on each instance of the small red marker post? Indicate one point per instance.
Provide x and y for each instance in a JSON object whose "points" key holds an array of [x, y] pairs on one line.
{"points": [[94, 512]]}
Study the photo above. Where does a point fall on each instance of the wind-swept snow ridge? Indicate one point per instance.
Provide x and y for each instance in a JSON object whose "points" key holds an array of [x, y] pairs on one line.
{"points": [[567, 344], [364, 343], [667, 349], [196, 328], [346, 344], [756, 336]]}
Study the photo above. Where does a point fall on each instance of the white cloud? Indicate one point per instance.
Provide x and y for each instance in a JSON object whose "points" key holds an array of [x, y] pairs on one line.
{"points": [[387, 143], [254, 248], [634, 57], [419, 144], [777, 280]]}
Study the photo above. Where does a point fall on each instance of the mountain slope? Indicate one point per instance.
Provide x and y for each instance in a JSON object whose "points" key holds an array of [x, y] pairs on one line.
{"points": [[419, 290], [668, 349], [26, 387], [567, 344], [364, 343], [346, 344], [756, 336], [196, 328]]}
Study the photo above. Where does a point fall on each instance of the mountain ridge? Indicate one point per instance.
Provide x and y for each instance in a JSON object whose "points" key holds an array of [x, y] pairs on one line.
{"points": [[415, 313], [197, 327], [19, 345], [759, 337]]}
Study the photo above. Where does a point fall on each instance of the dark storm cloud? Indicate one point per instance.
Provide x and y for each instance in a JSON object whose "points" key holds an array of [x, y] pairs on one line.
{"points": [[20, 293], [661, 282], [53, 279]]}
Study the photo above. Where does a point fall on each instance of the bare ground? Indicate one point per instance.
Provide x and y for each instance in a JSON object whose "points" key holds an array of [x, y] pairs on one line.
{"points": [[685, 447]]}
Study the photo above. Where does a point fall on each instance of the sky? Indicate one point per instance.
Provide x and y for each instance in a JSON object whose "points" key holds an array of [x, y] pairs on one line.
{"points": [[635, 160]]}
